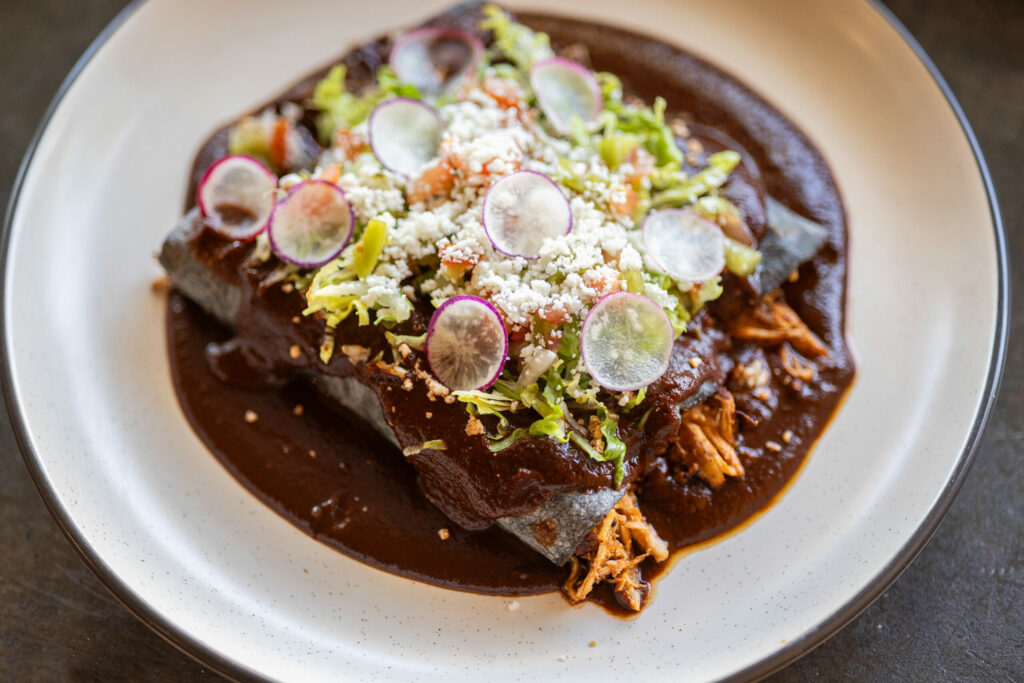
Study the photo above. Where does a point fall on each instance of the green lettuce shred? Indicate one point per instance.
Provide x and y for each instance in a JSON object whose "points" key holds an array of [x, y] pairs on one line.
{"points": [[616, 147], [249, 137], [739, 258], [413, 341], [614, 450], [433, 444], [646, 124], [340, 109], [520, 45], [369, 246], [337, 291], [500, 443], [487, 403], [709, 178], [637, 399], [387, 81]]}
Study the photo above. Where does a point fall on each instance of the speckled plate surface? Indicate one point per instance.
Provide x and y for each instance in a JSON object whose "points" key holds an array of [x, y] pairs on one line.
{"points": [[202, 561]]}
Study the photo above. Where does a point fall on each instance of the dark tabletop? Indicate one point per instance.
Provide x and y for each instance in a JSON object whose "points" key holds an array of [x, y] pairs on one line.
{"points": [[956, 613]]}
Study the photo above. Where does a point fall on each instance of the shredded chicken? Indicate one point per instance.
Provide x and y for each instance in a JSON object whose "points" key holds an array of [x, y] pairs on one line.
{"points": [[706, 442], [613, 552], [774, 322], [795, 366]]}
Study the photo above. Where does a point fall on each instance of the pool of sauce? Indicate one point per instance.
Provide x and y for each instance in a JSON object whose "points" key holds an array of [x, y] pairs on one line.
{"points": [[339, 481]]}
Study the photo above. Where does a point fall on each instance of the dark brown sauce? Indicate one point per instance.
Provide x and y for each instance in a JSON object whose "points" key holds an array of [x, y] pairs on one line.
{"points": [[339, 481]]}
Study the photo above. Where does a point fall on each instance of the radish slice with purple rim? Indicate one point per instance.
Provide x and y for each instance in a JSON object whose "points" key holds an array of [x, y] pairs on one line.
{"points": [[404, 134], [626, 341], [312, 224], [687, 246], [466, 343], [434, 59], [522, 210], [566, 89], [236, 196]]}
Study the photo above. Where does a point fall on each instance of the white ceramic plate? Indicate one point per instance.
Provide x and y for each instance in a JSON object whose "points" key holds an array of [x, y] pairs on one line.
{"points": [[225, 578]]}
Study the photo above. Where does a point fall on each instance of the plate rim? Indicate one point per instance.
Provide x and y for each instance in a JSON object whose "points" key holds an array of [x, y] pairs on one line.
{"points": [[785, 655]]}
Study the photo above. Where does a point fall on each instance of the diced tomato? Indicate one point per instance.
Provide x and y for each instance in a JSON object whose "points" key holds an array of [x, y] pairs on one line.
{"points": [[642, 162], [623, 200], [279, 142], [506, 93], [460, 167], [448, 260], [348, 143], [605, 281], [557, 316], [435, 183], [331, 173], [517, 333]]}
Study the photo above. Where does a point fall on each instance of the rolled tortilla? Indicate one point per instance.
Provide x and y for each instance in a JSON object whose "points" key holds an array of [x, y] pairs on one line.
{"points": [[554, 529], [790, 241]]}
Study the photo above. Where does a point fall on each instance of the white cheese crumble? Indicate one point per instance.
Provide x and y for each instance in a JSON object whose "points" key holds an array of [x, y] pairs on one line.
{"points": [[484, 139]]}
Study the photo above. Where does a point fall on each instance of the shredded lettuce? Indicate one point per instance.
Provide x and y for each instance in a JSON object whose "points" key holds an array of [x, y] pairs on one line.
{"points": [[634, 281], [327, 345], [680, 318], [637, 399], [646, 124], [338, 108], [396, 341], [341, 109], [709, 178], [487, 403], [520, 45], [500, 443], [251, 137], [387, 81], [739, 258], [412, 341], [692, 300], [616, 147], [613, 450], [369, 246], [433, 444], [337, 291]]}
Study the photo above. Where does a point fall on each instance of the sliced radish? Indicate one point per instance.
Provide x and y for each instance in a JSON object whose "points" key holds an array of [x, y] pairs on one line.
{"points": [[434, 59], [466, 343], [566, 89], [404, 134], [684, 244], [312, 224], [626, 341], [236, 196], [524, 209]]}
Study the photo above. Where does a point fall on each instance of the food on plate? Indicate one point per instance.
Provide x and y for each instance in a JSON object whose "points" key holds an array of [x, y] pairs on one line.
{"points": [[579, 290]]}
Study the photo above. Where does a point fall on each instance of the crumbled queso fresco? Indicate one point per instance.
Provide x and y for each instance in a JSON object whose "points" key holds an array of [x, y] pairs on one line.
{"points": [[484, 141]]}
